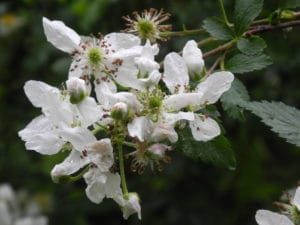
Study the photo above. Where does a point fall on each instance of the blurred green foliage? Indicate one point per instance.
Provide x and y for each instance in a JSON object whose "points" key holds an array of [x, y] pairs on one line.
{"points": [[186, 192]]}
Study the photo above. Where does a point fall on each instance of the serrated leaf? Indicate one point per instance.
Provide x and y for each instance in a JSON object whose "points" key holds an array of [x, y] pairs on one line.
{"points": [[283, 119], [234, 99], [217, 152], [289, 4], [251, 46], [245, 12], [217, 28], [242, 63]]}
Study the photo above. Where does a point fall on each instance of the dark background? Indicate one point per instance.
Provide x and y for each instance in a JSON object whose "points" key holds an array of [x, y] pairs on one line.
{"points": [[186, 192]]}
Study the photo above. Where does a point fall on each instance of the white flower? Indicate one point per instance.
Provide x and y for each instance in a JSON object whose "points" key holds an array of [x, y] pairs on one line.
{"points": [[93, 56], [143, 74], [62, 121], [131, 206], [77, 89], [176, 78], [291, 214]]}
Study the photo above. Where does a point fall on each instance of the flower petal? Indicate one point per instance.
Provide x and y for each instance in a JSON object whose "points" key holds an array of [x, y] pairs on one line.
{"points": [[178, 101], [61, 36], [90, 111], [296, 200], [96, 181], [140, 127], [70, 165], [118, 41], [79, 137], [131, 206], [214, 86], [192, 56], [176, 73], [41, 136], [5, 215], [204, 129], [266, 217]]}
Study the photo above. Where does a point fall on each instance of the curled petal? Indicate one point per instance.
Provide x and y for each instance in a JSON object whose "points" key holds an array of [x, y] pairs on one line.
{"points": [[61, 36], [204, 128], [131, 206], [176, 73]]}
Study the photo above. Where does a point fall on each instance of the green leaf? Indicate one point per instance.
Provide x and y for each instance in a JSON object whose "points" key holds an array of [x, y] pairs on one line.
{"points": [[242, 63], [251, 46], [234, 99], [217, 28], [217, 152], [289, 4], [245, 12], [283, 119]]}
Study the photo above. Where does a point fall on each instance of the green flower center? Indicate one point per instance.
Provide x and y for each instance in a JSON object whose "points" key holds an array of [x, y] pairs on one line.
{"points": [[94, 56], [145, 28], [154, 102], [295, 215]]}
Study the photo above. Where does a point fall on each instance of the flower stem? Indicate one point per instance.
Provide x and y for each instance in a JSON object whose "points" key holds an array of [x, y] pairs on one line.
{"points": [[122, 170], [224, 12], [182, 33]]}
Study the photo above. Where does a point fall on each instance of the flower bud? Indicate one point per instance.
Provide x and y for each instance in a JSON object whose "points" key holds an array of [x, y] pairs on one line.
{"points": [[77, 89], [192, 56], [132, 205], [119, 111]]}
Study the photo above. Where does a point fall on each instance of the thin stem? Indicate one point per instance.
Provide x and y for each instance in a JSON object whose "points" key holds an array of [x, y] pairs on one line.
{"points": [[219, 49], [224, 12], [182, 33], [129, 144], [122, 170], [206, 41], [99, 128], [268, 27], [214, 66]]}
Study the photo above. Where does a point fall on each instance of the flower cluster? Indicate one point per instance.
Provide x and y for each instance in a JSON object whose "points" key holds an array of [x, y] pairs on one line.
{"points": [[15, 209], [290, 213], [117, 98]]}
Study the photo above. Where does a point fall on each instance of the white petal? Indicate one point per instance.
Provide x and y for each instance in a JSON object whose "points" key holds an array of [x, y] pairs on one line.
{"points": [[74, 162], [176, 73], [172, 118], [179, 101], [90, 111], [101, 154], [61, 36], [131, 206], [41, 136], [214, 86], [29, 220], [5, 215], [140, 127], [121, 41], [296, 200], [40, 94], [113, 189], [266, 217], [96, 181], [163, 130], [204, 129], [192, 56], [79, 137], [7, 193]]}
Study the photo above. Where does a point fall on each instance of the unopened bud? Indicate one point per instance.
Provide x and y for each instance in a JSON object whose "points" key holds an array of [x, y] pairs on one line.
{"points": [[119, 111], [192, 56], [77, 89]]}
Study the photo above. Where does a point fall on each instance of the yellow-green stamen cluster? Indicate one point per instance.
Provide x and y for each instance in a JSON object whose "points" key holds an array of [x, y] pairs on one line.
{"points": [[94, 56]]}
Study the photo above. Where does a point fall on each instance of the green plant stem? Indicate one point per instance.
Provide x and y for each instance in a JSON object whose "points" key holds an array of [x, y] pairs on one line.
{"points": [[224, 12], [182, 33], [129, 144], [219, 49], [206, 41], [122, 170]]}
